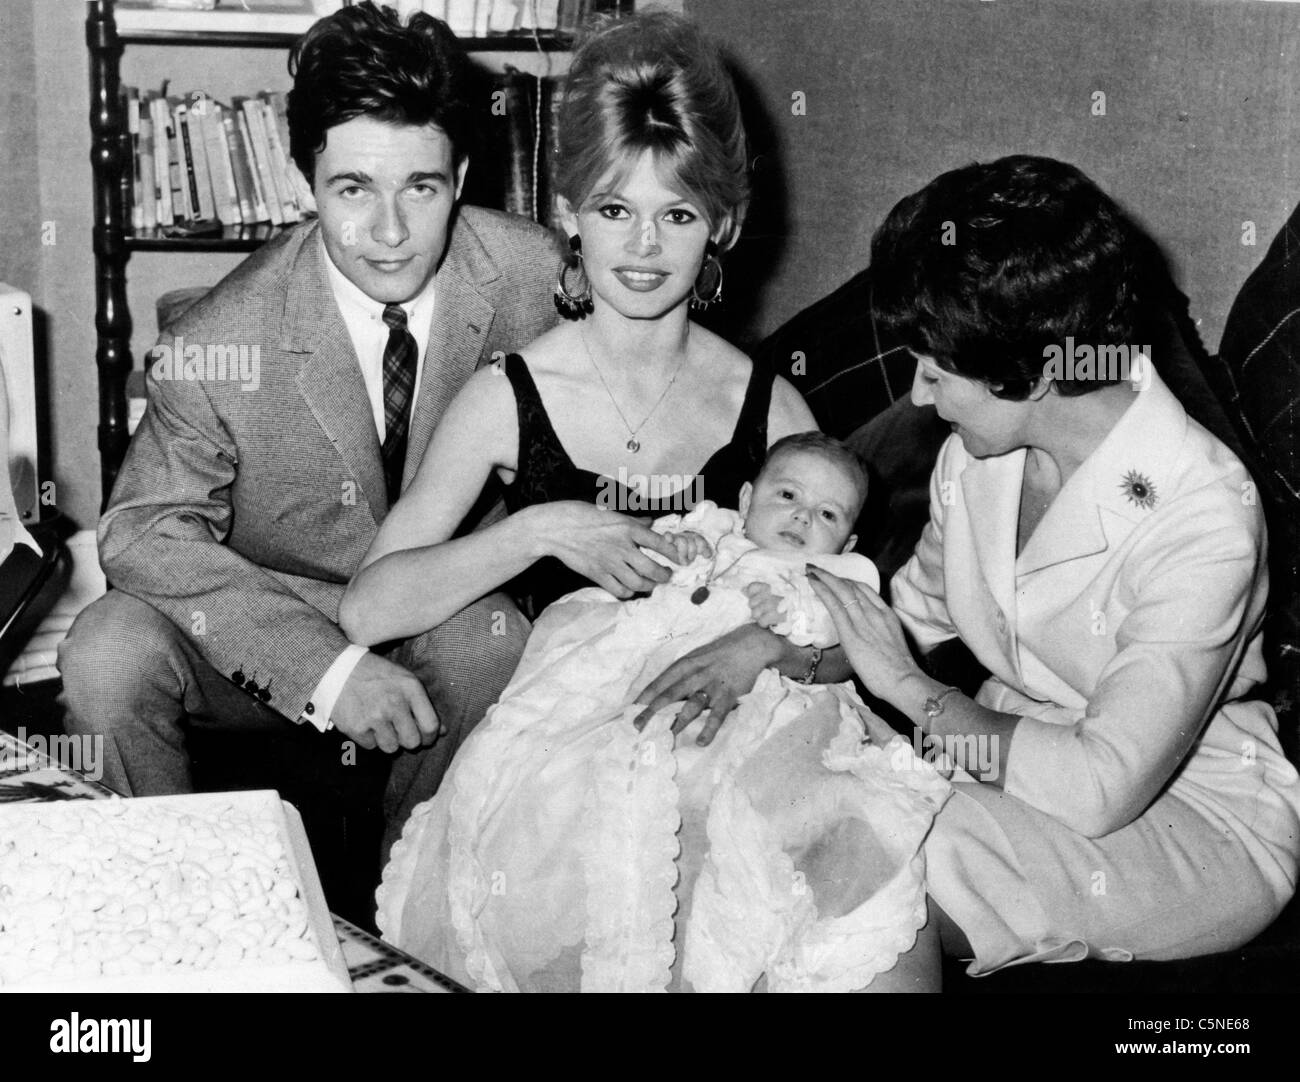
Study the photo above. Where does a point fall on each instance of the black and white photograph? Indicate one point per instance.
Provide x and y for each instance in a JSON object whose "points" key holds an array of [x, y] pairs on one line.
{"points": [[650, 496]]}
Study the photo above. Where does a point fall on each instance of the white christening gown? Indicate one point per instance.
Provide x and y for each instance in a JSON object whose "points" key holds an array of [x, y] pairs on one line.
{"points": [[565, 850]]}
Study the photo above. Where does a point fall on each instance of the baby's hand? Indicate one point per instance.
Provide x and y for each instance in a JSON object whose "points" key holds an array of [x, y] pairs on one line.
{"points": [[689, 546], [764, 605]]}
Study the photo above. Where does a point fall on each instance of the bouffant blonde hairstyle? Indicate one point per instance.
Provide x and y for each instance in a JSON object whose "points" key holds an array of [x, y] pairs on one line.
{"points": [[654, 82]]}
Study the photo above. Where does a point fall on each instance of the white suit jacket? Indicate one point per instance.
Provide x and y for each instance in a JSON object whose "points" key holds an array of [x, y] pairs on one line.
{"points": [[1126, 635]]}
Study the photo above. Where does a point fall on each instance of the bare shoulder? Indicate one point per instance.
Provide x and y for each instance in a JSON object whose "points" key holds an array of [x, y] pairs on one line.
{"points": [[553, 350], [487, 399], [723, 359]]}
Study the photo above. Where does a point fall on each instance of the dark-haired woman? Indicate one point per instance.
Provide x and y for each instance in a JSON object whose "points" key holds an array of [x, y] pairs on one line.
{"points": [[1103, 556]]}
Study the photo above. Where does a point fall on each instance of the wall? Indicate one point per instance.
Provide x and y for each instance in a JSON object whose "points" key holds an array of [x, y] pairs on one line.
{"points": [[1199, 136], [20, 208], [1201, 121]]}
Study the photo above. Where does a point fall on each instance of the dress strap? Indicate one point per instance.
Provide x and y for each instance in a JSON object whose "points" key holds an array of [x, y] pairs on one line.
{"points": [[538, 440], [751, 426]]}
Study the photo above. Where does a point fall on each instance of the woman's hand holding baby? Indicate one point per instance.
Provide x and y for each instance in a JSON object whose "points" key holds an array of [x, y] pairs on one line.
{"points": [[603, 546], [712, 678]]}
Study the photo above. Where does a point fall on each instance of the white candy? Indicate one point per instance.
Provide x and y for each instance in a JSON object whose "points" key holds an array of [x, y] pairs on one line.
{"points": [[120, 889]]}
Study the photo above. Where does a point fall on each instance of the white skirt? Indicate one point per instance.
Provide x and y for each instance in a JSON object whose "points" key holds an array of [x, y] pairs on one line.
{"points": [[567, 851]]}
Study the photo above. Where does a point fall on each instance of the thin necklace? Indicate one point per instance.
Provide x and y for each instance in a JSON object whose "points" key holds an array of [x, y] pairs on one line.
{"points": [[633, 444], [701, 593]]}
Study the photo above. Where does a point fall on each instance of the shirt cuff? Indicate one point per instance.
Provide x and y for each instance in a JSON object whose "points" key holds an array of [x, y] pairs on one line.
{"points": [[321, 704]]}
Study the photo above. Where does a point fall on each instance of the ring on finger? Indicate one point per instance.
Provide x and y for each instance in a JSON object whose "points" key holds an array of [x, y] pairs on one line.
{"points": [[701, 696]]}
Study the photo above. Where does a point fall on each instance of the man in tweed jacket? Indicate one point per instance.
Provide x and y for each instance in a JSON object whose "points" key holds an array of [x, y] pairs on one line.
{"points": [[253, 487]]}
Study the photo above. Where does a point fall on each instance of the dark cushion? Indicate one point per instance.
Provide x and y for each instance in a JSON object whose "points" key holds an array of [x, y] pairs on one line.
{"points": [[1257, 375], [837, 358]]}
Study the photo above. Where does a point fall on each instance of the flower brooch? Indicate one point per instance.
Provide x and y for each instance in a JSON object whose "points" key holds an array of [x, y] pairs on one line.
{"points": [[1138, 490]]}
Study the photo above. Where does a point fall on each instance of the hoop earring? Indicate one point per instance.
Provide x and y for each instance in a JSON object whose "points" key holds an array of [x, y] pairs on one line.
{"points": [[707, 287], [569, 304]]}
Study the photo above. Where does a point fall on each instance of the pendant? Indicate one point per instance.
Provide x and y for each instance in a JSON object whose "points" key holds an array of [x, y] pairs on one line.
{"points": [[700, 595], [633, 446]]}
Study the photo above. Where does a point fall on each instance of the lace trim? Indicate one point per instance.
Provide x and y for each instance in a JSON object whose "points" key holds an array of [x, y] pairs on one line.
{"points": [[749, 914], [632, 872], [472, 778]]}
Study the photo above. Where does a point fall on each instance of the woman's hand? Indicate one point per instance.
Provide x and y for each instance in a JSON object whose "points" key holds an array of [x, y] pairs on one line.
{"points": [[603, 546], [712, 678], [764, 605], [869, 631]]}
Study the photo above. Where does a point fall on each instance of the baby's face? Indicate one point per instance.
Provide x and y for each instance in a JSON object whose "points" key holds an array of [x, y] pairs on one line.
{"points": [[802, 502]]}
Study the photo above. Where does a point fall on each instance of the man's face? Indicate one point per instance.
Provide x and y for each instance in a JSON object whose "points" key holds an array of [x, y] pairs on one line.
{"points": [[385, 194]]}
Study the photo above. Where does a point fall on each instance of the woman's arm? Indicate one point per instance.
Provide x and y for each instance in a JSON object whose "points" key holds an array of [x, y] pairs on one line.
{"points": [[413, 577], [416, 574], [1193, 599]]}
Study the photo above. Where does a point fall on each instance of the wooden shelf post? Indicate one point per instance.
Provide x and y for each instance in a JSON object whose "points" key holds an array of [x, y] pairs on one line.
{"points": [[112, 315]]}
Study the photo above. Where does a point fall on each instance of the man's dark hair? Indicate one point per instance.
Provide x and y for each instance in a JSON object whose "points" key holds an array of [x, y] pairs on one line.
{"points": [[362, 61], [987, 266], [827, 447]]}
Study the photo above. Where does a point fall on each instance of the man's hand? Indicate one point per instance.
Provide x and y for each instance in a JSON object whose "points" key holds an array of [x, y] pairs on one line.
{"points": [[603, 546], [689, 546], [712, 678], [384, 705], [764, 605]]}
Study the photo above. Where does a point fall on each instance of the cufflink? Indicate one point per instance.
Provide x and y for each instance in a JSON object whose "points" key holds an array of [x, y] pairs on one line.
{"points": [[309, 709]]}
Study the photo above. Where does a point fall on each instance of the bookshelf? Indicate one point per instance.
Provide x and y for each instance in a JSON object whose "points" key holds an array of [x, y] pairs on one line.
{"points": [[111, 27]]}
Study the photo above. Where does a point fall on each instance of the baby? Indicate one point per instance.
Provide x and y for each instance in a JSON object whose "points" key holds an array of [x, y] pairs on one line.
{"points": [[567, 850], [800, 509]]}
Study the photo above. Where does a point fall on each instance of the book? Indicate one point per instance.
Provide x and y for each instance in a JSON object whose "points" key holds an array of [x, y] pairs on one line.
{"points": [[547, 13], [223, 173], [571, 15], [460, 17], [148, 179], [162, 156], [262, 158], [198, 112], [135, 193], [261, 208], [505, 15], [552, 89], [516, 128], [302, 190], [482, 11], [176, 171], [189, 181], [279, 163], [239, 167]]}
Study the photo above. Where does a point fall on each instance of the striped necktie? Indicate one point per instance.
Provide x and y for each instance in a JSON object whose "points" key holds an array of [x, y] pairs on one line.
{"points": [[400, 357]]}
